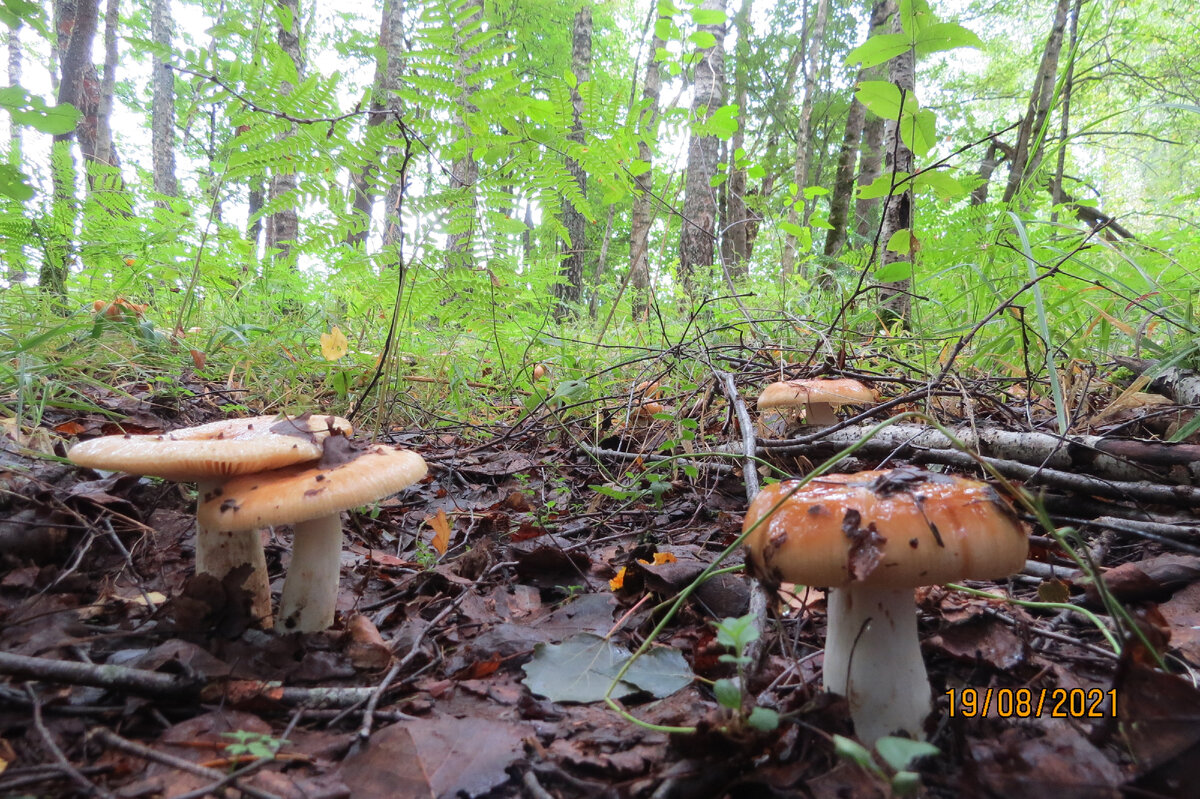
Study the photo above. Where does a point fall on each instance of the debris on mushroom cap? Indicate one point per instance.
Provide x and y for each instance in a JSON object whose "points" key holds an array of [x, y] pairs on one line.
{"points": [[797, 393], [890, 529], [220, 449], [309, 491]]}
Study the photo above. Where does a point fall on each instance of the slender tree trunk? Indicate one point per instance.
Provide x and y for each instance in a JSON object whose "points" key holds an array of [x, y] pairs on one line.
{"points": [[1064, 130], [76, 21], [641, 217], [870, 162], [105, 152], [14, 79], [843, 190], [598, 273], [898, 211], [385, 108], [464, 172], [283, 227], [991, 159], [162, 109], [697, 240], [815, 38], [735, 250], [1031, 136], [570, 286], [527, 233]]}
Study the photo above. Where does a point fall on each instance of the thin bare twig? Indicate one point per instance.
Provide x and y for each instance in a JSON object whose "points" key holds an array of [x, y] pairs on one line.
{"points": [[86, 785]]}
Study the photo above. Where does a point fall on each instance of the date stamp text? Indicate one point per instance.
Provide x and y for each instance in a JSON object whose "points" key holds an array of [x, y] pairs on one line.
{"points": [[1033, 703]]}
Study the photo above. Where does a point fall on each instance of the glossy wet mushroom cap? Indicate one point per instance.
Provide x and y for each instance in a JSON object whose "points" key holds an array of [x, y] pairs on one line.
{"points": [[818, 396], [871, 538]]}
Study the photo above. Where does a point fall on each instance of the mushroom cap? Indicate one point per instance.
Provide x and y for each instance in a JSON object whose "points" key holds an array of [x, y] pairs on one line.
{"points": [[212, 451], [309, 491], [888, 529], [798, 393]]}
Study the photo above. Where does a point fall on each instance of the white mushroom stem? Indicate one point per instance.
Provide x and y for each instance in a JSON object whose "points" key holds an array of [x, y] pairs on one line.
{"points": [[218, 552], [311, 588], [820, 414], [873, 658]]}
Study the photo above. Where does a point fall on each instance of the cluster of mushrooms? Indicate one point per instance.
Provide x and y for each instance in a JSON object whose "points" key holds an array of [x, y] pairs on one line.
{"points": [[259, 472], [871, 538]]}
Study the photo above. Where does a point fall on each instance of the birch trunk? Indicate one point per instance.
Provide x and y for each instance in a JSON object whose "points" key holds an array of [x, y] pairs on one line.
{"points": [[735, 250], [162, 109], [641, 218], [895, 299], [464, 172], [283, 227], [698, 237]]}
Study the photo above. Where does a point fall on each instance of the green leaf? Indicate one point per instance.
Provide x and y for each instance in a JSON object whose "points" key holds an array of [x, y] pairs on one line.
{"points": [[14, 184], [570, 78], [763, 719], [856, 753], [899, 753], [919, 130], [941, 183], [881, 98], [664, 29], [702, 16], [895, 271], [728, 693], [944, 36], [29, 109], [792, 228], [882, 186], [703, 40], [638, 167], [756, 172], [879, 48], [901, 242]]}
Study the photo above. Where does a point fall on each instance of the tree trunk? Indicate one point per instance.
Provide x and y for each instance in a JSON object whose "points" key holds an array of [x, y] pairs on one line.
{"points": [[735, 250], [464, 172], [14, 79], [1064, 130], [570, 286], [283, 227], [1027, 154], [696, 242], [991, 159], [815, 38], [105, 152], [870, 161], [641, 217], [385, 108], [598, 273], [162, 109], [898, 208], [843, 190], [76, 21]]}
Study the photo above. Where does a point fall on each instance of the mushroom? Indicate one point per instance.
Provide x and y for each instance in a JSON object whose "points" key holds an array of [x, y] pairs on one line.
{"points": [[209, 454], [311, 497], [871, 538], [818, 397]]}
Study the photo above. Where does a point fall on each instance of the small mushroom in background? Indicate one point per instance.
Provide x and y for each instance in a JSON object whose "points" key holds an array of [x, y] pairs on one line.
{"points": [[871, 538], [311, 497], [818, 397], [209, 454]]}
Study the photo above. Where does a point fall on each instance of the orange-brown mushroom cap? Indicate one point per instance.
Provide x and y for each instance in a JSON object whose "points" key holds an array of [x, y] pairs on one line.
{"points": [[889, 529], [799, 393], [310, 491], [213, 451]]}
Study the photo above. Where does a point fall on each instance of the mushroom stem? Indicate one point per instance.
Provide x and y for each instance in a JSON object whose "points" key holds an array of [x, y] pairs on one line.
{"points": [[873, 658], [311, 587], [218, 552], [820, 414]]}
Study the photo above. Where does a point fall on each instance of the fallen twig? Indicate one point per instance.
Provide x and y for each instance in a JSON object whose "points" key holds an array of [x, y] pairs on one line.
{"points": [[136, 681], [86, 785]]}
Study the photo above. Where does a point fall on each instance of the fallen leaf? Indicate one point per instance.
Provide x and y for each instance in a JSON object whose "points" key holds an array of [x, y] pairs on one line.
{"points": [[582, 668], [441, 531], [334, 344]]}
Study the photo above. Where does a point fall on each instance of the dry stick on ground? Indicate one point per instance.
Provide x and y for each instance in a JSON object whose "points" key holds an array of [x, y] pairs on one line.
{"points": [[137, 681], [1119, 459], [86, 785], [759, 600], [114, 741]]}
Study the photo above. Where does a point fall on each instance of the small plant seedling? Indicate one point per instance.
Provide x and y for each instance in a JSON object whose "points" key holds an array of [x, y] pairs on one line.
{"points": [[896, 753], [258, 745], [737, 634]]}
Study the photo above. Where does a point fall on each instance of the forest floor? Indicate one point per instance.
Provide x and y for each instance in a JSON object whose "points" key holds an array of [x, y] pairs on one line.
{"points": [[422, 688]]}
